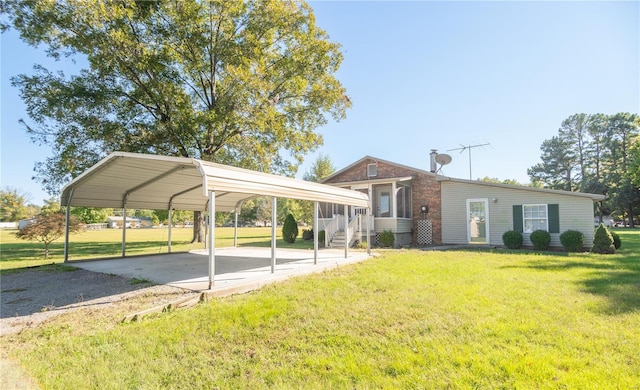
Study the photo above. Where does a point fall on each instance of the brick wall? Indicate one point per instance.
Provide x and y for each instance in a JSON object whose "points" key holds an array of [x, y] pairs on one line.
{"points": [[424, 190]]}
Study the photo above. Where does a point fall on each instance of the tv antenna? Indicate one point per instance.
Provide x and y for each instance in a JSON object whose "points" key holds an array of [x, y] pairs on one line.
{"points": [[462, 148]]}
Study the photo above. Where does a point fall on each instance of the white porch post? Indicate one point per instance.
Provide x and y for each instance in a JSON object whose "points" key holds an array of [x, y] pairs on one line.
{"points": [[315, 232], [274, 212], [346, 231], [170, 226], [394, 206], [124, 228], [212, 238], [368, 230]]}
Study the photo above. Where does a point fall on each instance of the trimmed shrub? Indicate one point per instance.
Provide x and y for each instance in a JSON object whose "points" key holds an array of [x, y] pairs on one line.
{"points": [[321, 234], [602, 241], [307, 234], [290, 229], [512, 239], [541, 240], [572, 240], [616, 239], [387, 238]]}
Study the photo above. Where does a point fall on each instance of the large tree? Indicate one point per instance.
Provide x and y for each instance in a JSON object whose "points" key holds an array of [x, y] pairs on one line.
{"points": [[244, 83], [13, 205], [594, 153]]}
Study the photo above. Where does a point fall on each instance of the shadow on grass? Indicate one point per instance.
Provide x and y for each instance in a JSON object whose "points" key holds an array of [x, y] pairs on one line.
{"points": [[614, 277]]}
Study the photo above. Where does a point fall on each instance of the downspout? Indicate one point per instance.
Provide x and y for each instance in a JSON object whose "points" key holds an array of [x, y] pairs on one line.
{"points": [[67, 214]]}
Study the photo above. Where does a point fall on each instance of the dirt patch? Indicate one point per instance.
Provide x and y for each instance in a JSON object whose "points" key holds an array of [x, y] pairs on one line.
{"points": [[32, 296]]}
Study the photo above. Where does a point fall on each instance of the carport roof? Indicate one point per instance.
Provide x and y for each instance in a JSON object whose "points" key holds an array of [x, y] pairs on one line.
{"points": [[144, 181]]}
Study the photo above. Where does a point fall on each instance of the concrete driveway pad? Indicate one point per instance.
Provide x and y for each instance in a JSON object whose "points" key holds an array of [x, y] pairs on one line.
{"points": [[236, 270]]}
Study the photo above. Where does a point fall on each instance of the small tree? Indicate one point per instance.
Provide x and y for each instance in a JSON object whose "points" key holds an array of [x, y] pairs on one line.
{"points": [[46, 229], [602, 241], [290, 229]]}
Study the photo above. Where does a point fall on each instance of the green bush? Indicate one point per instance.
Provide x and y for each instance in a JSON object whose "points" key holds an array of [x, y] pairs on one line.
{"points": [[541, 240], [321, 234], [572, 240], [361, 245], [290, 229], [512, 239], [307, 234], [387, 239], [602, 241], [616, 239]]}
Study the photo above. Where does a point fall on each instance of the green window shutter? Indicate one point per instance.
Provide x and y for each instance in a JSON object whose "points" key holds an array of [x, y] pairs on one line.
{"points": [[554, 218], [517, 218]]}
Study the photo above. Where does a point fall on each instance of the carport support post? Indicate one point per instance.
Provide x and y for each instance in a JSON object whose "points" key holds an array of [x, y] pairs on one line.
{"points": [[124, 228], [315, 232], [67, 214], [169, 233], [212, 237], [274, 214], [235, 231]]}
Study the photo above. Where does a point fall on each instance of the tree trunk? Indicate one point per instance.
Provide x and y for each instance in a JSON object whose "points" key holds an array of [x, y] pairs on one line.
{"points": [[198, 227]]}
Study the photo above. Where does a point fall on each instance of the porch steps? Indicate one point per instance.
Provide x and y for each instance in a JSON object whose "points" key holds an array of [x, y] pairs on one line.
{"points": [[338, 240]]}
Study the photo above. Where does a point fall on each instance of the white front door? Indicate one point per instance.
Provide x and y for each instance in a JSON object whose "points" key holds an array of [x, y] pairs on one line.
{"points": [[478, 221]]}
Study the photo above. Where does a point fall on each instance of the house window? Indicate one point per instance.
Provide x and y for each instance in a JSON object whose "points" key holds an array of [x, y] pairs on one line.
{"points": [[530, 217], [403, 201], [372, 170], [534, 217]]}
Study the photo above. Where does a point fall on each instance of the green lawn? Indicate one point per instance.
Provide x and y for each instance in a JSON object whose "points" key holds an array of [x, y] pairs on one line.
{"points": [[17, 253], [407, 319]]}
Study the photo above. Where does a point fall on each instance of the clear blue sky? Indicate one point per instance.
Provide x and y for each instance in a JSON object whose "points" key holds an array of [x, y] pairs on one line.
{"points": [[425, 75]]}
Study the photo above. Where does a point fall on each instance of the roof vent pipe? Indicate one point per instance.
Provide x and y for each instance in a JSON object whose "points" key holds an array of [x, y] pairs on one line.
{"points": [[432, 155]]}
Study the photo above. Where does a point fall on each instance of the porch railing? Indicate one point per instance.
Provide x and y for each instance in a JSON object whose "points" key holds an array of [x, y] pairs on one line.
{"points": [[354, 228], [331, 228]]}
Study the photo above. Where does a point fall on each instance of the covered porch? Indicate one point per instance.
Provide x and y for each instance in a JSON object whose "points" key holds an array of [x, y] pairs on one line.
{"points": [[391, 210]]}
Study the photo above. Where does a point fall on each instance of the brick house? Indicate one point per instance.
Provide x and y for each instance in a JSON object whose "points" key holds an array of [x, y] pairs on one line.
{"points": [[398, 194], [424, 208]]}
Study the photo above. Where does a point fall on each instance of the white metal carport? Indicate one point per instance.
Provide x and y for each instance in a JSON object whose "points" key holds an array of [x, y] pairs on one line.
{"points": [[143, 181]]}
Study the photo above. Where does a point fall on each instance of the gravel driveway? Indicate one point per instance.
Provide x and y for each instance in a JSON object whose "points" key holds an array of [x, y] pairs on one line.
{"points": [[31, 296]]}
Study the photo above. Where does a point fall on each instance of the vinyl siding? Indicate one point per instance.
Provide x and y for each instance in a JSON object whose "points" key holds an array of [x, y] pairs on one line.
{"points": [[396, 225], [575, 212]]}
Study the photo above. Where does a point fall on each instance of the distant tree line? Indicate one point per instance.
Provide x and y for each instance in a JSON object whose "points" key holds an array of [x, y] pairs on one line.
{"points": [[595, 153]]}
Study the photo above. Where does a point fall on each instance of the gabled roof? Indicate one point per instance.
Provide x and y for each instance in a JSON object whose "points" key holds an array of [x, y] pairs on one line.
{"points": [[144, 181], [441, 178], [337, 173]]}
